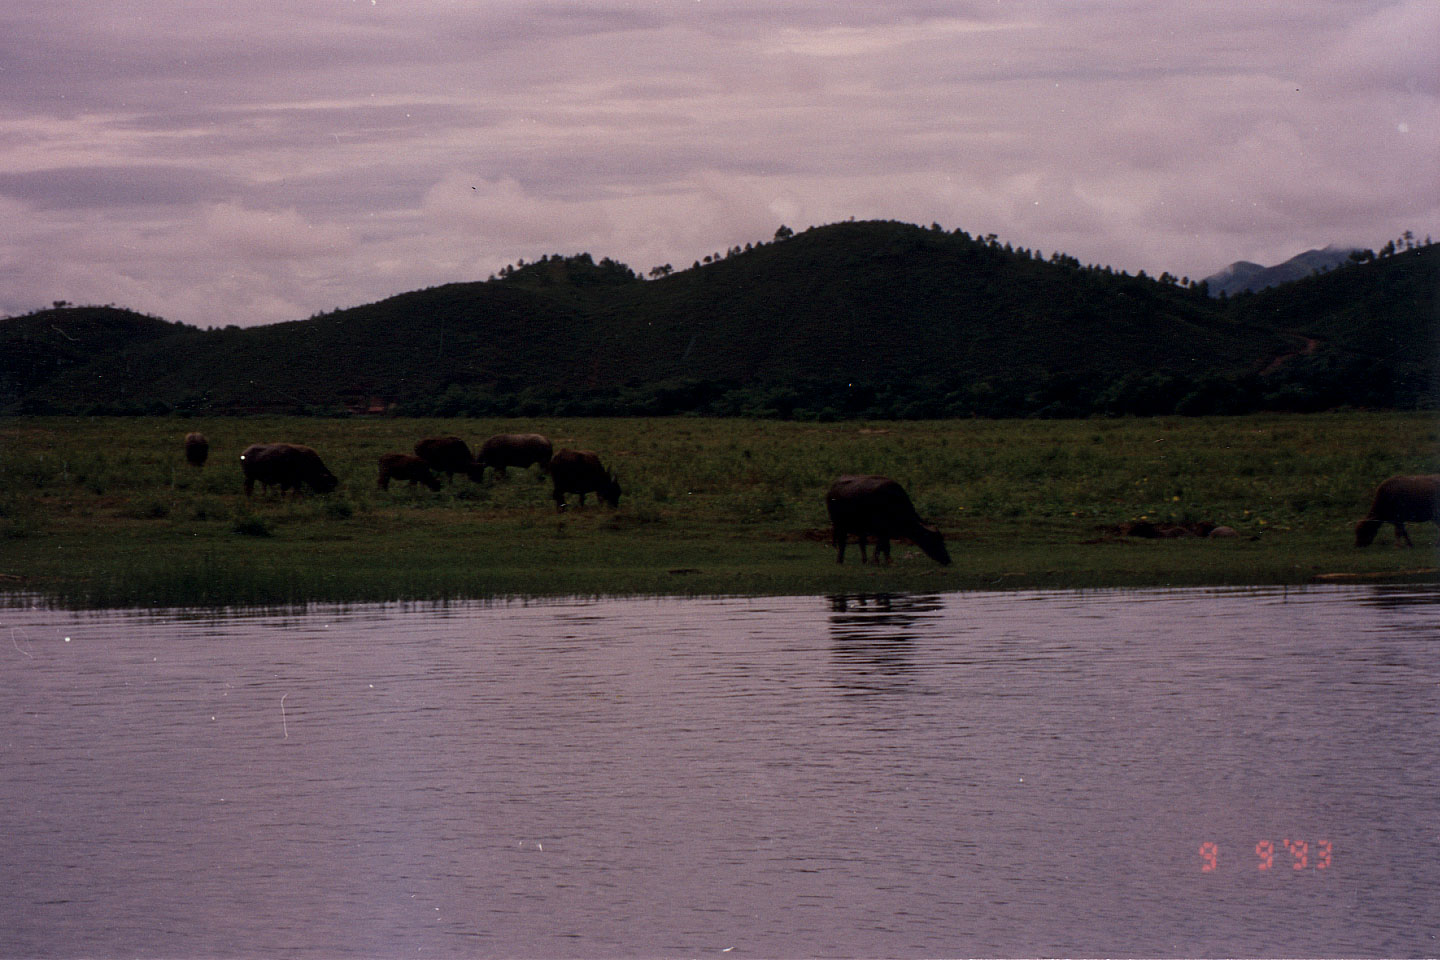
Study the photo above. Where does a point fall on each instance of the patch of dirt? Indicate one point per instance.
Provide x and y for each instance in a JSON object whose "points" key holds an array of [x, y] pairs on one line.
{"points": [[1421, 573], [1148, 530], [1311, 344]]}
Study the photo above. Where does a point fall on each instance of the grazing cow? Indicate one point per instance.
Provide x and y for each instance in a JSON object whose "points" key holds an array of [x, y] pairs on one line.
{"points": [[405, 466], [878, 507], [449, 455], [517, 450], [1400, 500], [197, 449], [580, 471], [287, 465]]}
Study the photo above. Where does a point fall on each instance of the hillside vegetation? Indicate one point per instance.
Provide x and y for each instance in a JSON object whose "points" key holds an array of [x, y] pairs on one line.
{"points": [[870, 319]]}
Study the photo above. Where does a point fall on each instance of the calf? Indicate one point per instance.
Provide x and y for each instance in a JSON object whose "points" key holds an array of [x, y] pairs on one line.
{"points": [[405, 466]]}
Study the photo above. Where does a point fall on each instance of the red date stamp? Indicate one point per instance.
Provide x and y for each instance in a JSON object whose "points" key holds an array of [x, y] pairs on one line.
{"points": [[1299, 852]]}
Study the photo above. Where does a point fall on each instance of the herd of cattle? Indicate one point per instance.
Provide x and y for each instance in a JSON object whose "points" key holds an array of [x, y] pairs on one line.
{"points": [[865, 507], [290, 466]]}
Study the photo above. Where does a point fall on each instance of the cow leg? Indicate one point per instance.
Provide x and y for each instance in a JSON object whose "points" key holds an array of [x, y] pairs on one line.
{"points": [[838, 537], [882, 544], [1402, 534]]}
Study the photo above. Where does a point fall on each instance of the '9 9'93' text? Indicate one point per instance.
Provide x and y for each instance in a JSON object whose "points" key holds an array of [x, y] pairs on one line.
{"points": [[1301, 855]]}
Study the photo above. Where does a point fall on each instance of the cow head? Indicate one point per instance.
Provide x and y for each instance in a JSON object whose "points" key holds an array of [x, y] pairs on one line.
{"points": [[610, 491], [1365, 532], [932, 542]]}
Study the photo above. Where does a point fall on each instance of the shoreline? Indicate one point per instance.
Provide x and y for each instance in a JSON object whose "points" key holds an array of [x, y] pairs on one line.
{"points": [[104, 512]]}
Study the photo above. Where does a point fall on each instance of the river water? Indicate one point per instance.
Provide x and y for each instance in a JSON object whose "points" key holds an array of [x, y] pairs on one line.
{"points": [[1158, 773]]}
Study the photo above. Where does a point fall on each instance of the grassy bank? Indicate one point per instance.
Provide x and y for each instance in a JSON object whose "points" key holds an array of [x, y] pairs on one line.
{"points": [[105, 512]]}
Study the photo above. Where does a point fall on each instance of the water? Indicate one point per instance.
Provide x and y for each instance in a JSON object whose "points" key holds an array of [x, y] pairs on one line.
{"points": [[968, 774]]}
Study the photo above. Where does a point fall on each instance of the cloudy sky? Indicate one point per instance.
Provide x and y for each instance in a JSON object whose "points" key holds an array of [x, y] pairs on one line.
{"points": [[250, 162]]}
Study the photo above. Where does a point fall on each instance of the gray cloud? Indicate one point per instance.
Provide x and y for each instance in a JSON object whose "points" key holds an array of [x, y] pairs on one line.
{"points": [[114, 186], [222, 164]]}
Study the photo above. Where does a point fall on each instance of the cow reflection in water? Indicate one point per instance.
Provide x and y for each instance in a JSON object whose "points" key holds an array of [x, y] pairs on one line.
{"points": [[873, 638]]}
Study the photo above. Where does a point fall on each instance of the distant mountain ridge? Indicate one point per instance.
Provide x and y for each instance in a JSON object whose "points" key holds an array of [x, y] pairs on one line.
{"points": [[873, 319], [1242, 275]]}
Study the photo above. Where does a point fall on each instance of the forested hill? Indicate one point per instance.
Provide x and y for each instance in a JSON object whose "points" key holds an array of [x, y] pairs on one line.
{"points": [[874, 319]]}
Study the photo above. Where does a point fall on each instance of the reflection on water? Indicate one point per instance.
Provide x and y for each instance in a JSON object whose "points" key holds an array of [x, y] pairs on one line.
{"points": [[896, 775], [873, 637], [1398, 597]]}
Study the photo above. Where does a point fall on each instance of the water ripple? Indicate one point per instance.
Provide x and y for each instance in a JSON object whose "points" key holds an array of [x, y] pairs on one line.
{"points": [[860, 775]]}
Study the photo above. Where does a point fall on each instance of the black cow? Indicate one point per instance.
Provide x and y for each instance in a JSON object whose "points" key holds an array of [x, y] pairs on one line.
{"points": [[287, 465], [449, 455], [580, 471], [405, 466], [871, 506], [197, 449], [1400, 500], [517, 450]]}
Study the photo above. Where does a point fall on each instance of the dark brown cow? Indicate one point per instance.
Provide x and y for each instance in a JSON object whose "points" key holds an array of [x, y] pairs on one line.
{"points": [[449, 455], [872, 506], [517, 450], [1400, 500], [197, 449], [405, 466], [287, 465], [580, 471]]}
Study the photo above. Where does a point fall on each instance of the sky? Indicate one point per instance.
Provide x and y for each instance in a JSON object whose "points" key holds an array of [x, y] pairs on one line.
{"points": [[247, 162]]}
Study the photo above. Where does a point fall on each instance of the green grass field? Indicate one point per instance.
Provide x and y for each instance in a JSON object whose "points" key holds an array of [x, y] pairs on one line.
{"points": [[105, 512]]}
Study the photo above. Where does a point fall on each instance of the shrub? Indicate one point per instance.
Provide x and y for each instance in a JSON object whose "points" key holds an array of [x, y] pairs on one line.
{"points": [[249, 525]]}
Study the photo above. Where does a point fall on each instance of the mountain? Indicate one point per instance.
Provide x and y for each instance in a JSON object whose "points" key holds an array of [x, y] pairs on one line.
{"points": [[876, 319], [1243, 275], [42, 347]]}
